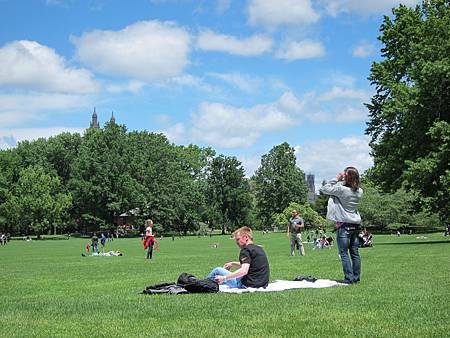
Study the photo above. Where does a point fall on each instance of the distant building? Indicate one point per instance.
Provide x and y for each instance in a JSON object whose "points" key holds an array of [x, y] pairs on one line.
{"points": [[94, 122], [311, 188]]}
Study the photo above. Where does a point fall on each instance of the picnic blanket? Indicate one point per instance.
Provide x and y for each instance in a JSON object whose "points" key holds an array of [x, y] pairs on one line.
{"points": [[280, 285]]}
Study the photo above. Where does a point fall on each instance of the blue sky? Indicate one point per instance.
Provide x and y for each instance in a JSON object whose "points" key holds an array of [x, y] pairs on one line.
{"points": [[239, 76]]}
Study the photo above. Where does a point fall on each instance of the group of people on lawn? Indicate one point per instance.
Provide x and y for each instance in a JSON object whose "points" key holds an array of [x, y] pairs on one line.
{"points": [[253, 266]]}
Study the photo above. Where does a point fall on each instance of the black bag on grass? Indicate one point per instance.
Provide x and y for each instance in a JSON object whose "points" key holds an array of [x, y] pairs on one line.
{"points": [[186, 278], [306, 278], [194, 285]]}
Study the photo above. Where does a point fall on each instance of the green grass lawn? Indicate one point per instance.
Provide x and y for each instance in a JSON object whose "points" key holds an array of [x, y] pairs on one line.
{"points": [[47, 289]]}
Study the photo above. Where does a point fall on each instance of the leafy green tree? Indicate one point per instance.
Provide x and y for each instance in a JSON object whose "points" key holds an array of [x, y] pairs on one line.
{"points": [[61, 152], [321, 203], [278, 182], [37, 203], [189, 175], [228, 193], [430, 175], [3, 197], [101, 183], [393, 210], [412, 101]]}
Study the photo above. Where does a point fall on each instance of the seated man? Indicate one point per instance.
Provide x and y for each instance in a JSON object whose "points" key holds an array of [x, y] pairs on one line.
{"points": [[253, 264]]}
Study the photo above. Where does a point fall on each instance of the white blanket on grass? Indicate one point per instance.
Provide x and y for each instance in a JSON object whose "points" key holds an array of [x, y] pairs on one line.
{"points": [[280, 285]]}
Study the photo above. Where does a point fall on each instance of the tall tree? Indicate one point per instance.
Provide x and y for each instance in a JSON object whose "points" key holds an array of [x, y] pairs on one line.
{"points": [[228, 193], [412, 94], [430, 175], [101, 183], [278, 182], [37, 202], [61, 151]]}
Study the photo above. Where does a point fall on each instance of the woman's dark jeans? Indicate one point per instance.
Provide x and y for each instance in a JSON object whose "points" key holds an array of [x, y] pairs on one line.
{"points": [[348, 242], [150, 251]]}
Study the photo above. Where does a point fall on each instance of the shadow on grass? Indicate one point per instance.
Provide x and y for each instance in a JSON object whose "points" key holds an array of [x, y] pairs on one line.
{"points": [[407, 243]]}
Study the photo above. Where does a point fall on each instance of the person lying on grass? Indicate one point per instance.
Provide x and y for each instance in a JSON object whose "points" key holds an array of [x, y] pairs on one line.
{"points": [[107, 254], [253, 265]]}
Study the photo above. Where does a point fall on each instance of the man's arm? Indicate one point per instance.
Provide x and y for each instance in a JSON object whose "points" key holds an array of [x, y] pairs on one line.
{"points": [[242, 271], [302, 224], [229, 265]]}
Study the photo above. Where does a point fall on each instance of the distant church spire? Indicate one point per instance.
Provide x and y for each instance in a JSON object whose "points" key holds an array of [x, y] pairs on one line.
{"points": [[94, 123], [113, 119]]}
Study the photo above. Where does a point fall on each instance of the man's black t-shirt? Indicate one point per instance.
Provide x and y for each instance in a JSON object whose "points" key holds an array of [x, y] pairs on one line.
{"points": [[258, 273]]}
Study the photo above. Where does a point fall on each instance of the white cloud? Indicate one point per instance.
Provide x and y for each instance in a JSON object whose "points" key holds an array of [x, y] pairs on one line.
{"points": [[243, 82], [250, 163], [10, 137], [145, 51], [272, 14], [231, 127], [338, 105], [350, 114], [62, 3], [325, 158], [32, 66], [19, 108], [191, 81], [290, 103], [341, 79], [305, 49], [254, 45], [227, 126], [334, 7], [131, 86], [161, 118], [176, 133], [348, 93], [363, 49]]}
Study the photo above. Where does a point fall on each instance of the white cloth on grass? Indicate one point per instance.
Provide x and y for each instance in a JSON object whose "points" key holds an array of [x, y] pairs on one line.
{"points": [[280, 285]]}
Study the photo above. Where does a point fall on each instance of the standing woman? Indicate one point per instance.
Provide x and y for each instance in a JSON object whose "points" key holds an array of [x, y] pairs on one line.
{"points": [[345, 195], [148, 227]]}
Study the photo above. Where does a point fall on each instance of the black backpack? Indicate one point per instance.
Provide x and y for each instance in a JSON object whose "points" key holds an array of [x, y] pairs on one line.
{"points": [[194, 285], [306, 278]]}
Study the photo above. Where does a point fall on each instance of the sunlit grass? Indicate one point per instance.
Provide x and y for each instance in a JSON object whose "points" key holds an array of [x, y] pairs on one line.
{"points": [[49, 289]]}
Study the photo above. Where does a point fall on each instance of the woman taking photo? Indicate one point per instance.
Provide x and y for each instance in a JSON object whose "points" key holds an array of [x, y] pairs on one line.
{"points": [[345, 195]]}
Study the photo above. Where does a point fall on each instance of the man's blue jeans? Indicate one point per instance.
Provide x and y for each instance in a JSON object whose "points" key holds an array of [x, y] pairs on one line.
{"points": [[348, 242], [232, 283]]}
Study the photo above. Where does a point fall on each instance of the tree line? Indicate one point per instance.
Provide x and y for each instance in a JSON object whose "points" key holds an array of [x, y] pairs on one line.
{"points": [[73, 182]]}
